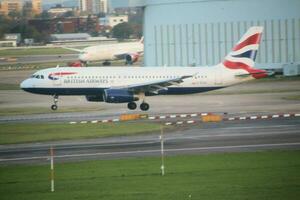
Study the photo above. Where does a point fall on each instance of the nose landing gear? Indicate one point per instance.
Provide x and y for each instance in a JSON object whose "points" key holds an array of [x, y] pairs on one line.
{"points": [[55, 100]]}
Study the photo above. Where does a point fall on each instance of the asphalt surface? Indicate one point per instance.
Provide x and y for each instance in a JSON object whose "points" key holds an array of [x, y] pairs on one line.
{"points": [[41, 59], [238, 136]]}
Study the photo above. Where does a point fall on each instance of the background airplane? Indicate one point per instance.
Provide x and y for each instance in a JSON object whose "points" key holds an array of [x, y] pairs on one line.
{"points": [[128, 51], [130, 84]]}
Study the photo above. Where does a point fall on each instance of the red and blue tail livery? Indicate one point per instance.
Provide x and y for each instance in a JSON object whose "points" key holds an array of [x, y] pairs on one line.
{"points": [[244, 53]]}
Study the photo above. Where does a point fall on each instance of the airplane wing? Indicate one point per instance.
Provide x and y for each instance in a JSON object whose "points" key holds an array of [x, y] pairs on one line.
{"points": [[73, 49], [155, 86]]}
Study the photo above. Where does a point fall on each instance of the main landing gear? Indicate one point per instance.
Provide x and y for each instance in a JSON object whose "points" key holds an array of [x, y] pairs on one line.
{"points": [[55, 100], [144, 106]]}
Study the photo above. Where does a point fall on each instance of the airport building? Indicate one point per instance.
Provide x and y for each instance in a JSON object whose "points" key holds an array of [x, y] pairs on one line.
{"points": [[201, 32]]}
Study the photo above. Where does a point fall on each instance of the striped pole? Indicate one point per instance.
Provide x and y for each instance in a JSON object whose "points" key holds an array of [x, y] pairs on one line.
{"points": [[162, 151], [52, 168]]}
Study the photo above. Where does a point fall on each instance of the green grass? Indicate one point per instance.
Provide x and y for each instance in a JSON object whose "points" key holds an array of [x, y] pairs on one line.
{"points": [[43, 110], [6, 86], [34, 51], [11, 133], [31, 66], [233, 176], [293, 97]]}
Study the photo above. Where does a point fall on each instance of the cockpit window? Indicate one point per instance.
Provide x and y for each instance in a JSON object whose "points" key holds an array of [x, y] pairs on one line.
{"points": [[37, 76]]}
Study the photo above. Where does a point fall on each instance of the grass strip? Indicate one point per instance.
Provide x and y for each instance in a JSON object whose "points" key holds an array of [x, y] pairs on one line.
{"points": [[34, 51], [12, 133], [7, 86], [293, 97], [31, 66], [233, 176]]}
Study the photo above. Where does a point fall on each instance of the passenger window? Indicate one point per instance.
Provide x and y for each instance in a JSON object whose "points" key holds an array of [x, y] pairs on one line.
{"points": [[42, 76]]}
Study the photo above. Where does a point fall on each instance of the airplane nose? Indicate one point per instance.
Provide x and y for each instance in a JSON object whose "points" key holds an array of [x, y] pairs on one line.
{"points": [[82, 58], [25, 85]]}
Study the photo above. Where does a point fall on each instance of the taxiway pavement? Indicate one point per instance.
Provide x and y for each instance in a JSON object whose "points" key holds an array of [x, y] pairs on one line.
{"points": [[201, 138]]}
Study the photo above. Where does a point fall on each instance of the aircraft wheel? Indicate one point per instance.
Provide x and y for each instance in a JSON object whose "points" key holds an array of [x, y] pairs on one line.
{"points": [[131, 106], [106, 63], [144, 106], [54, 107]]}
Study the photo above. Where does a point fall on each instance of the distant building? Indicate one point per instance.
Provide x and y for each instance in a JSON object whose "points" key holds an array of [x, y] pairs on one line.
{"points": [[70, 37], [86, 6], [100, 6], [7, 6], [36, 7], [8, 43], [13, 37], [66, 24], [29, 8], [59, 11], [112, 20]]}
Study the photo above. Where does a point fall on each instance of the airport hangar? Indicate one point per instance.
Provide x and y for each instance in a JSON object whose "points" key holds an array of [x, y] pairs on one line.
{"points": [[202, 32]]}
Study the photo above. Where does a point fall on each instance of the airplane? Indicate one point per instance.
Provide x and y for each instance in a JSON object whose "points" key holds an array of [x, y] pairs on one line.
{"points": [[131, 84], [129, 51]]}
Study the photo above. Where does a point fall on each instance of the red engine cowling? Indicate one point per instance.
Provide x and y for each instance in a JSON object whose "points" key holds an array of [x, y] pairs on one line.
{"points": [[132, 58], [75, 64]]}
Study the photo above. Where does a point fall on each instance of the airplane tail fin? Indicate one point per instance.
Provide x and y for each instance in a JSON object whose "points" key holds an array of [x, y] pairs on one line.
{"points": [[244, 53]]}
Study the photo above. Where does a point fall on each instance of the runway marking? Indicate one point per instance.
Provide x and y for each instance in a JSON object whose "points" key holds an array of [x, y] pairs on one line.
{"points": [[152, 151], [246, 118], [192, 115]]}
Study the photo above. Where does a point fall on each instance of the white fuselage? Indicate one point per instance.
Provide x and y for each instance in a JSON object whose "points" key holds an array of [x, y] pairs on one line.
{"points": [[110, 51], [94, 80]]}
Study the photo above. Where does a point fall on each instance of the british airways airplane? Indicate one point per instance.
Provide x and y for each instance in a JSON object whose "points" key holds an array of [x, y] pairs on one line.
{"points": [[131, 84]]}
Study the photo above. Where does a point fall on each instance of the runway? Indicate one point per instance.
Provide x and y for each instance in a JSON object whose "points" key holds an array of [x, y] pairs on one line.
{"points": [[196, 139]]}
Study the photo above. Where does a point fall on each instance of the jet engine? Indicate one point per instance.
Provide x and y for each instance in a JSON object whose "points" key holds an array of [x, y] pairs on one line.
{"points": [[131, 58], [94, 98], [119, 96]]}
